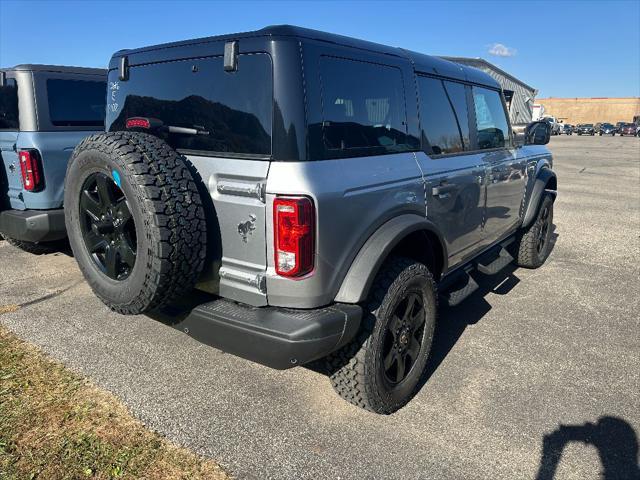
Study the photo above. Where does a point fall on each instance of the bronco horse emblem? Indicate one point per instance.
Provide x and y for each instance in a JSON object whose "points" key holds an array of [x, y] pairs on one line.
{"points": [[246, 228]]}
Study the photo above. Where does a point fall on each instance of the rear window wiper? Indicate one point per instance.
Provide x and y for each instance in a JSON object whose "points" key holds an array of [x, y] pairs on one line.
{"points": [[155, 124]]}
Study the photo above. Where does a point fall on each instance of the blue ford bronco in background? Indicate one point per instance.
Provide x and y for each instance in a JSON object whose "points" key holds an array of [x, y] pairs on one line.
{"points": [[45, 111], [323, 191]]}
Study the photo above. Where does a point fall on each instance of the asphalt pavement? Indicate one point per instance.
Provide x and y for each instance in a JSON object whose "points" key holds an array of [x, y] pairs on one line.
{"points": [[537, 373]]}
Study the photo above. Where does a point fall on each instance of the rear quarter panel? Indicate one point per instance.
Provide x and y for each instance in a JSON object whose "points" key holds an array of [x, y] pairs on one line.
{"points": [[353, 198], [55, 150]]}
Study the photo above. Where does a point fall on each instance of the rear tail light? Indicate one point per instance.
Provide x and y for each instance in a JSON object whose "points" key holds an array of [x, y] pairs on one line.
{"points": [[31, 168], [294, 231]]}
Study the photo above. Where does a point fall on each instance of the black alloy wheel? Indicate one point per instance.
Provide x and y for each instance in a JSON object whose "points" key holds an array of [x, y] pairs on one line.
{"points": [[403, 338], [107, 226], [541, 241]]}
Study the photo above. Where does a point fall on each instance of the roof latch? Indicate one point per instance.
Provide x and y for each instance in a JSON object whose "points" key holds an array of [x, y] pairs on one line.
{"points": [[231, 56]]}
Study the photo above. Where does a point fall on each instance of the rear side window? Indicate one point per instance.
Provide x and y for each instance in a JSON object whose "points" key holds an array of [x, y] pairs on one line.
{"points": [[9, 105], [76, 103], [220, 113], [363, 108], [458, 97], [491, 120], [440, 125]]}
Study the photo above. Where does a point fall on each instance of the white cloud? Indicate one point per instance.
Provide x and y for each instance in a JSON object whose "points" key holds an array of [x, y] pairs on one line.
{"points": [[500, 50]]}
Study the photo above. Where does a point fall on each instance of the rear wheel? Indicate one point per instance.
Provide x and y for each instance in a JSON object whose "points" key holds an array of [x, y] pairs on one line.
{"points": [[533, 245], [381, 369], [135, 220]]}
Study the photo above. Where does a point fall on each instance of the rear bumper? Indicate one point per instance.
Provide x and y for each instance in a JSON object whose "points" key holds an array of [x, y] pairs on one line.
{"points": [[33, 225], [277, 337]]}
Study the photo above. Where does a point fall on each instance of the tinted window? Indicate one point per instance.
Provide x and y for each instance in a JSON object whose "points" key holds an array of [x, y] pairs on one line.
{"points": [[439, 123], [458, 97], [231, 111], [363, 108], [9, 105], [491, 121], [76, 103]]}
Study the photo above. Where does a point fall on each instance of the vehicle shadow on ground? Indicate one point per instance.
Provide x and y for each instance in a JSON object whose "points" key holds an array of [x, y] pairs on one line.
{"points": [[451, 324], [613, 437], [453, 321]]}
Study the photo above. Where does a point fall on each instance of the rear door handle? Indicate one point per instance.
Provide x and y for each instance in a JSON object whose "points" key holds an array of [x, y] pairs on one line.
{"points": [[443, 190]]}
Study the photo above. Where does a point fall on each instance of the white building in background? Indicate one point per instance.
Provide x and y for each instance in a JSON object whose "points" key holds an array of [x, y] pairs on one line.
{"points": [[538, 112]]}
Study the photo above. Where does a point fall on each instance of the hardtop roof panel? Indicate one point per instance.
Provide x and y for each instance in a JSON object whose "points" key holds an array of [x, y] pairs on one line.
{"points": [[56, 69], [422, 62]]}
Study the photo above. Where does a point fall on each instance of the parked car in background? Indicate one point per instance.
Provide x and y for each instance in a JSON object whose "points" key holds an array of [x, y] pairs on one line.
{"points": [[284, 172], [45, 110], [567, 129], [556, 125], [628, 129], [606, 129], [585, 129]]}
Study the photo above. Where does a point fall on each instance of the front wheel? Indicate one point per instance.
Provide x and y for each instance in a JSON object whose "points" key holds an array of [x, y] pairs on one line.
{"points": [[533, 245], [381, 369]]}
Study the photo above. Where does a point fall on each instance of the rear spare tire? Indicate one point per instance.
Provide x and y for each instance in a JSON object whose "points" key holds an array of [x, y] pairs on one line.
{"points": [[135, 220]]}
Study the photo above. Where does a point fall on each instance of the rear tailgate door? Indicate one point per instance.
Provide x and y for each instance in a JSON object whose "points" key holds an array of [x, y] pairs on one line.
{"points": [[225, 124]]}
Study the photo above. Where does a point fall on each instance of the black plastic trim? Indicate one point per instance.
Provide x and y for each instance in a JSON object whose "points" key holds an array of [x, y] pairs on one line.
{"points": [[279, 338], [33, 225], [544, 176]]}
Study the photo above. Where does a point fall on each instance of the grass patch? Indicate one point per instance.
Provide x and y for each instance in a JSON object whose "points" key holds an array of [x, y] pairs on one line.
{"points": [[56, 425]]}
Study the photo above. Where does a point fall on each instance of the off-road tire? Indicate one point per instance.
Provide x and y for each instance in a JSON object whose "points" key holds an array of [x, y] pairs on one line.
{"points": [[36, 248], [356, 370], [525, 246], [160, 187]]}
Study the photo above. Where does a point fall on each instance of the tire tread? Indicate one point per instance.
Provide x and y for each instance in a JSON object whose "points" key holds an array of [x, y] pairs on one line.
{"points": [[349, 378], [174, 219]]}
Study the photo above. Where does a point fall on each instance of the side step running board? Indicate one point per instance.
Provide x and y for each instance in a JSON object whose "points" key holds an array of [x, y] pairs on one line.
{"points": [[492, 264], [459, 285], [463, 286]]}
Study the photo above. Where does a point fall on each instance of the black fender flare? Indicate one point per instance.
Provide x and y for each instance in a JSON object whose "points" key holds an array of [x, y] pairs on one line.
{"points": [[364, 268], [539, 188]]}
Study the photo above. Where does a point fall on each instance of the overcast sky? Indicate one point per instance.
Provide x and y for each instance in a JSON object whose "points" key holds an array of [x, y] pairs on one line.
{"points": [[564, 49]]}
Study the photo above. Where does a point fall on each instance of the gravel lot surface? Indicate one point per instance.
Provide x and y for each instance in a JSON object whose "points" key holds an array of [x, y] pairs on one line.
{"points": [[550, 353]]}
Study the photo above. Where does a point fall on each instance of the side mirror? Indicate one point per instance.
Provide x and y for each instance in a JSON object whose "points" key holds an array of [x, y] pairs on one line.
{"points": [[537, 133]]}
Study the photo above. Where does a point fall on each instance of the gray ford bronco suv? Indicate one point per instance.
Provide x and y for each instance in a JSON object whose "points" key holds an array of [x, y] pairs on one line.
{"points": [[322, 190], [45, 110]]}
